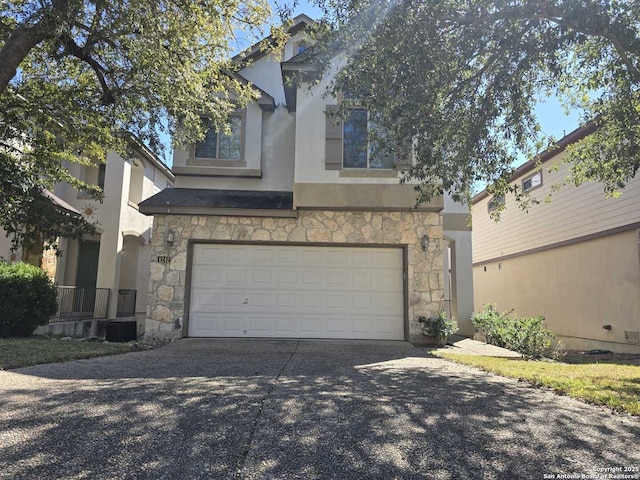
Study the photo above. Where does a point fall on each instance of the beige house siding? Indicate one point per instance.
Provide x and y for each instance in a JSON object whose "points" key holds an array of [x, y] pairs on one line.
{"points": [[166, 307], [572, 213], [579, 288]]}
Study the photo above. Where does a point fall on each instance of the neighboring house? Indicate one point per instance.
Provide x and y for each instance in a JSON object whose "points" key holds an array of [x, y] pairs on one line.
{"points": [[575, 260], [273, 231], [106, 275]]}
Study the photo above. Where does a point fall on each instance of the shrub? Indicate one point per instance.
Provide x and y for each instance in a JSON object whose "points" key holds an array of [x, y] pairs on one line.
{"points": [[493, 324], [525, 335], [438, 327], [27, 299]]}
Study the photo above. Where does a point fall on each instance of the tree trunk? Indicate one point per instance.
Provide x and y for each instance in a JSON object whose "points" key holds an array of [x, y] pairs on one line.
{"points": [[19, 44]]}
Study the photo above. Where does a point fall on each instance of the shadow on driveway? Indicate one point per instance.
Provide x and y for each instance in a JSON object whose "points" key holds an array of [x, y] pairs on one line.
{"points": [[270, 409]]}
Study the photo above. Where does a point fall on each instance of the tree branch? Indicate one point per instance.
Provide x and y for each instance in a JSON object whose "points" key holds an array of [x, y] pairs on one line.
{"points": [[633, 70], [108, 97], [21, 41]]}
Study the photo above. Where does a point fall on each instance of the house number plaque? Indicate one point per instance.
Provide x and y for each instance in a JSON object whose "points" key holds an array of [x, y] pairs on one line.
{"points": [[164, 259]]}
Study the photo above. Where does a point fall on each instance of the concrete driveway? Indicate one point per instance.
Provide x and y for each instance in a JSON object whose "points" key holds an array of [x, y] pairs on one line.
{"points": [[224, 409]]}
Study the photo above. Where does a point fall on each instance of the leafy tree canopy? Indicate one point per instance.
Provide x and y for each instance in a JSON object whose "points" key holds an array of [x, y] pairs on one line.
{"points": [[75, 72], [460, 79]]}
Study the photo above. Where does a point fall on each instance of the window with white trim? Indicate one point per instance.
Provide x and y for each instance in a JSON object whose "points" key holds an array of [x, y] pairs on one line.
{"points": [[532, 181]]}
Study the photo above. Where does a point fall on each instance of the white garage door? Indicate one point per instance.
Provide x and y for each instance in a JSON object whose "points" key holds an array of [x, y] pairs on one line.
{"points": [[296, 292]]}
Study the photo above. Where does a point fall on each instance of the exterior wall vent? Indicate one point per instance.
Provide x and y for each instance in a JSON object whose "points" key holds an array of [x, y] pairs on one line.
{"points": [[632, 337]]}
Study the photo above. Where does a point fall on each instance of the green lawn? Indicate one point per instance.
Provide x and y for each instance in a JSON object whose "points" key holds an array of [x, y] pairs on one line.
{"points": [[22, 352], [616, 386]]}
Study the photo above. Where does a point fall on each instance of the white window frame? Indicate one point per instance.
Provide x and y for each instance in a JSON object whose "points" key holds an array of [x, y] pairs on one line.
{"points": [[532, 177], [496, 202]]}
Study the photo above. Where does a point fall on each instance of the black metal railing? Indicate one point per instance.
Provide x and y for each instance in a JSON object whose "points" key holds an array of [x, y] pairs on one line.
{"points": [[126, 303], [79, 303]]}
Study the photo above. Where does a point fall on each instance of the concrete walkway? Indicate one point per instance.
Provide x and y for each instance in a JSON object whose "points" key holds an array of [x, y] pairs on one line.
{"points": [[467, 346], [296, 409]]}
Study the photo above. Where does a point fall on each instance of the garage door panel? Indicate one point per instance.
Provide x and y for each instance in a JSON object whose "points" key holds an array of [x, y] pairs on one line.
{"points": [[387, 282], [258, 256], [336, 325], [285, 301], [386, 303], [313, 278], [261, 277], [337, 302], [312, 257], [337, 257], [287, 255], [362, 302], [311, 325], [362, 279], [361, 325], [258, 324], [286, 277], [208, 255], [386, 259], [285, 325], [297, 291], [311, 301], [361, 258], [205, 300]]}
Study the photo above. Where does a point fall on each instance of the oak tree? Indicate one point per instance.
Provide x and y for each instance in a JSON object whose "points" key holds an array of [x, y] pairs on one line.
{"points": [[459, 80], [73, 73]]}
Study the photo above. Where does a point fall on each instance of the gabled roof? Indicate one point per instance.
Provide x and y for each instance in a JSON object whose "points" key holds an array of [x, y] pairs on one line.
{"points": [[257, 51], [551, 152], [140, 147], [265, 101], [297, 68], [58, 202]]}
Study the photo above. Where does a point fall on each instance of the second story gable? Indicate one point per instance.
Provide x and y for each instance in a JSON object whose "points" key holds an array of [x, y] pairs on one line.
{"points": [[289, 141]]}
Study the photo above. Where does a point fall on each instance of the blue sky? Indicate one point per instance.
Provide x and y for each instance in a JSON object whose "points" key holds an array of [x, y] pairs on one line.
{"points": [[551, 115]]}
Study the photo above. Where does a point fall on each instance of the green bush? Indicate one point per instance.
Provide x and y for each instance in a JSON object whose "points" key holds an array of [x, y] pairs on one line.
{"points": [[27, 299], [525, 335], [438, 327], [493, 324]]}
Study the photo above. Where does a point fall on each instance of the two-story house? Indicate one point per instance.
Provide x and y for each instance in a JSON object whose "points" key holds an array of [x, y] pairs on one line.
{"points": [[288, 226], [575, 259], [106, 275]]}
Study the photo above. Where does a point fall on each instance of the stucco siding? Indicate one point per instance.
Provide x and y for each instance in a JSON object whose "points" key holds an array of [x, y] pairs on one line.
{"points": [[579, 288], [573, 212], [273, 142], [311, 142]]}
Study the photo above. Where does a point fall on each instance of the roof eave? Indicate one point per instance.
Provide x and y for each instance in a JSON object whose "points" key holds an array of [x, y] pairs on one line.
{"points": [[573, 137], [256, 51]]}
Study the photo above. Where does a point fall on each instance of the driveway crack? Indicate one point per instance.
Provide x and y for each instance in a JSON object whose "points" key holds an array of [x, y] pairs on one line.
{"points": [[263, 400]]}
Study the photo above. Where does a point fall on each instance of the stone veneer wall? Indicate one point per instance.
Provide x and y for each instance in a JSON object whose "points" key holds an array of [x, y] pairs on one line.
{"points": [[166, 298]]}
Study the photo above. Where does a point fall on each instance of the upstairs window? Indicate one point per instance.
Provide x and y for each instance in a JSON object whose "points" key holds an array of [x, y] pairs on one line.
{"points": [[102, 169], [532, 181], [300, 47], [495, 203], [220, 145], [358, 150]]}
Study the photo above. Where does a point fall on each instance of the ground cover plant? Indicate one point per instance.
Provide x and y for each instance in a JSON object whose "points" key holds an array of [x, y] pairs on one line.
{"points": [[613, 383], [23, 352]]}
